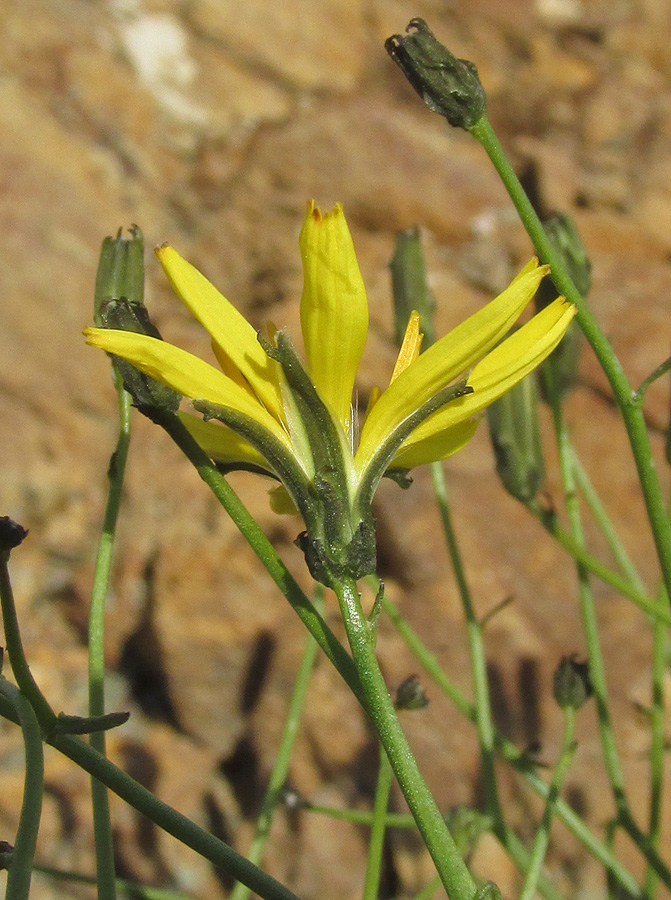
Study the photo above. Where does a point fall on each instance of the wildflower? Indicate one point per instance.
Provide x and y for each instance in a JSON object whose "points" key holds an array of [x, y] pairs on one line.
{"points": [[295, 420]]}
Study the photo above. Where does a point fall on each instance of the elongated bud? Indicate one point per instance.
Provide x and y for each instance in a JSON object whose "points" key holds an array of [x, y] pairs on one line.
{"points": [[410, 286], [563, 363], [119, 296], [515, 433], [448, 86], [572, 686], [120, 271]]}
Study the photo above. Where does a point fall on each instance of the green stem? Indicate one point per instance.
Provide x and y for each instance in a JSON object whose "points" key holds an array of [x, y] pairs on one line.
{"points": [[378, 828], [264, 550], [542, 838], [592, 564], [17, 657], [607, 528], [21, 866], [167, 818], [134, 890], [518, 760], [595, 656], [280, 769], [102, 827], [660, 650], [483, 712], [588, 612], [627, 401], [661, 369], [437, 838]]}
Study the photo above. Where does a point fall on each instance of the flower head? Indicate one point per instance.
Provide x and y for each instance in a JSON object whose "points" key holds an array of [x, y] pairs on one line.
{"points": [[295, 421]]}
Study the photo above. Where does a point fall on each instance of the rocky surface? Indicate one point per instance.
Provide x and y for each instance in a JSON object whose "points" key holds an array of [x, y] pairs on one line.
{"points": [[210, 125]]}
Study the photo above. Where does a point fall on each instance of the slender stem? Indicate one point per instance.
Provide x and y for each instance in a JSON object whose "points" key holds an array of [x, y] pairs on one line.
{"points": [[542, 838], [579, 553], [17, 657], [360, 816], [21, 866], [483, 710], [596, 666], [627, 401], [280, 769], [265, 551], [439, 842], [518, 760], [588, 613], [102, 827], [170, 820], [660, 650], [378, 828], [608, 530], [132, 889], [661, 369]]}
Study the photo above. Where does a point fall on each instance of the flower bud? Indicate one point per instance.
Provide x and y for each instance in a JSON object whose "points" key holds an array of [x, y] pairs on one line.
{"points": [[410, 694], [119, 296], [515, 434], [120, 271], [572, 686], [11, 535], [448, 86]]}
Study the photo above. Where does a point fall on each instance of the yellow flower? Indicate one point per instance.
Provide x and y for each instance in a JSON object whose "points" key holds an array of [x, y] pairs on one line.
{"points": [[296, 421]]}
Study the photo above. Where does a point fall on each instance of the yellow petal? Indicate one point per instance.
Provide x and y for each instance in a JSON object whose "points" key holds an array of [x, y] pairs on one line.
{"points": [[448, 358], [334, 308], [507, 364], [412, 341], [221, 443], [183, 372], [437, 446], [229, 329]]}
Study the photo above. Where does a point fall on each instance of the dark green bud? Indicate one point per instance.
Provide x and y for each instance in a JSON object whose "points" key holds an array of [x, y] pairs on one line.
{"points": [[572, 686], [448, 86], [147, 393], [6, 853], [88, 724], [120, 271], [410, 286], [563, 363], [11, 535], [410, 694], [515, 434]]}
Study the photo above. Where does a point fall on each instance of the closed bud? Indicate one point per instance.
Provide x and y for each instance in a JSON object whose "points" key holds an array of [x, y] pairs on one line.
{"points": [[410, 286], [410, 694], [572, 686], [11, 535], [120, 271], [515, 433], [449, 86], [563, 363]]}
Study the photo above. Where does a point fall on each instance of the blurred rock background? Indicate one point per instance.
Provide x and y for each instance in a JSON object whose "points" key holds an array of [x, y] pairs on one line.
{"points": [[210, 124]]}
